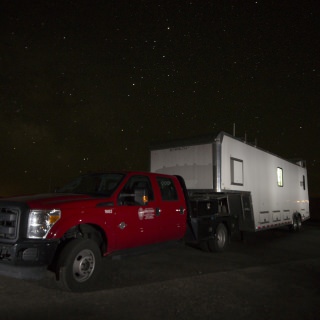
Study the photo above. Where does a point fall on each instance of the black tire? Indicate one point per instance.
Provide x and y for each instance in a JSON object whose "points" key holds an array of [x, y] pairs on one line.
{"points": [[296, 223], [220, 241], [299, 222], [293, 227], [79, 265]]}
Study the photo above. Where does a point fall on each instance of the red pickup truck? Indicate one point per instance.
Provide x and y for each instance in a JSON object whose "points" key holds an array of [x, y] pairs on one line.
{"points": [[96, 215]]}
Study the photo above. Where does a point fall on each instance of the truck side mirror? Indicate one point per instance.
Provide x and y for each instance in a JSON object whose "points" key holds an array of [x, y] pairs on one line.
{"points": [[141, 196]]}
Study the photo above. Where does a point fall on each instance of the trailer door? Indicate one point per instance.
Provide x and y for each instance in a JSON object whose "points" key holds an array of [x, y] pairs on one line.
{"points": [[241, 210]]}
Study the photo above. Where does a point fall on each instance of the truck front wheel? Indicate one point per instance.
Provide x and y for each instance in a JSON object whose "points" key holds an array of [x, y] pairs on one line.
{"points": [[220, 240], [79, 265]]}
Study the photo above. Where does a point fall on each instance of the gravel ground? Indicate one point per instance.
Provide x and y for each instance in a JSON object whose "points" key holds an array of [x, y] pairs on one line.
{"points": [[273, 274]]}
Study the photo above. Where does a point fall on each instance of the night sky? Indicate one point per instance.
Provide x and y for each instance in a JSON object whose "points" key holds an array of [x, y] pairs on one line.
{"points": [[89, 85]]}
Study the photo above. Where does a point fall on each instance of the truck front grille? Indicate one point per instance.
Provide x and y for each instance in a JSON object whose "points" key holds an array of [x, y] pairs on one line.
{"points": [[9, 218]]}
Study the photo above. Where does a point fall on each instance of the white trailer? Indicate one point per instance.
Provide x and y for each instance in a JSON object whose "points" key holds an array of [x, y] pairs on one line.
{"points": [[263, 190]]}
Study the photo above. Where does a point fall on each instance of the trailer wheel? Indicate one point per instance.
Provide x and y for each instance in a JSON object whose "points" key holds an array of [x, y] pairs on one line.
{"points": [[220, 240], [299, 222], [79, 265], [296, 223]]}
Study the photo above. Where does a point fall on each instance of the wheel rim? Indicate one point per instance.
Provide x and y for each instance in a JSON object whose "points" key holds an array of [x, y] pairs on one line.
{"points": [[221, 238], [299, 223], [83, 265]]}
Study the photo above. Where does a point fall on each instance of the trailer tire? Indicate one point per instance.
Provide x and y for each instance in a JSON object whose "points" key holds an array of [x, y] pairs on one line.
{"points": [[299, 222], [79, 265], [296, 223], [220, 241]]}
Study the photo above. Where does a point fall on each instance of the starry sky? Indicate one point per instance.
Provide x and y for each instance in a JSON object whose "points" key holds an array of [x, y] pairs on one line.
{"points": [[89, 85]]}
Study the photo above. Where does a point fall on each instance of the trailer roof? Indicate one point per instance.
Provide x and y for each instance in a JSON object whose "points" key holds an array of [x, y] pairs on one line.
{"points": [[210, 138], [201, 139], [185, 141]]}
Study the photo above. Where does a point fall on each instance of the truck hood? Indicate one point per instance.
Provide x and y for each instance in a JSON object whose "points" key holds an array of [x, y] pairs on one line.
{"points": [[54, 199]]}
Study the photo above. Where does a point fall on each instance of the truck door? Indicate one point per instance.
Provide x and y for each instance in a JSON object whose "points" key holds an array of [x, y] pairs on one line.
{"points": [[171, 210], [136, 223]]}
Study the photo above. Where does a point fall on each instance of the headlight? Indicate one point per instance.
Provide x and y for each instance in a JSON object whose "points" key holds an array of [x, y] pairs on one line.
{"points": [[41, 221]]}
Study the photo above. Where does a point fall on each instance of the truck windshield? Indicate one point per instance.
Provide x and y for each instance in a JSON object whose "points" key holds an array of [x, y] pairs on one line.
{"points": [[100, 184]]}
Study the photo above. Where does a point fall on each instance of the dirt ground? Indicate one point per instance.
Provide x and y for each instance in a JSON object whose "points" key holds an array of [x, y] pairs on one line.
{"points": [[271, 275]]}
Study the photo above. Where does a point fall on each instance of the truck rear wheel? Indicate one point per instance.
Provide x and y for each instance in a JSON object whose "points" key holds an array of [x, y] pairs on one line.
{"points": [[79, 265], [220, 240]]}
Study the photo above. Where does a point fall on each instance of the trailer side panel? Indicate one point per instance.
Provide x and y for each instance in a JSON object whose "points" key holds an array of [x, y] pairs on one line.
{"points": [[278, 187], [274, 190]]}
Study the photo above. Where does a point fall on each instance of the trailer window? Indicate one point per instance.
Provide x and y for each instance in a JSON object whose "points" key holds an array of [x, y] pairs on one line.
{"points": [[280, 177], [236, 171], [167, 189]]}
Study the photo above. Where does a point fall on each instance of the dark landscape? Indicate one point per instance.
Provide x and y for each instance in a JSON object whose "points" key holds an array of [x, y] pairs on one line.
{"points": [[271, 275]]}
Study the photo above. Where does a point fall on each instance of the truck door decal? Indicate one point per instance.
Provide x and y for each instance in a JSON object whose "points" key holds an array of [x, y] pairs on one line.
{"points": [[146, 213]]}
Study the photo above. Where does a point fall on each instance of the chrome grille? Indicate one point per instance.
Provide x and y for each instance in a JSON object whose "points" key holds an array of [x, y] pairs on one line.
{"points": [[9, 223]]}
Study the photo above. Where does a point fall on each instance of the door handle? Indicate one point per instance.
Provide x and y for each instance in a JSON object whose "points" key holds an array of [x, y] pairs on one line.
{"points": [[158, 211]]}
